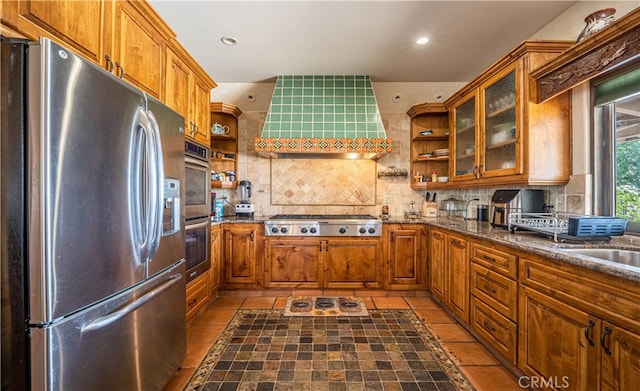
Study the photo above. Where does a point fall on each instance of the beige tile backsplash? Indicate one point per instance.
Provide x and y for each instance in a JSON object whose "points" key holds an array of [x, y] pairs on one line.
{"points": [[345, 186]]}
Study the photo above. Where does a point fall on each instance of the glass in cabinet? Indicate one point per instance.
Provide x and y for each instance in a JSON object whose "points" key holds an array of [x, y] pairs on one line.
{"points": [[464, 138], [500, 130]]}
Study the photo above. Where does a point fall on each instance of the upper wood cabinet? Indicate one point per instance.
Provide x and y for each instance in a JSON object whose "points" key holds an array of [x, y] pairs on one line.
{"points": [[429, 133], [187, 91], [499, 134], [224, 146], [79, 25], [137, 46], [127, 38]]}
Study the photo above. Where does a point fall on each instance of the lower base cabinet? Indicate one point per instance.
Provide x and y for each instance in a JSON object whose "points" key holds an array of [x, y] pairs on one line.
{"points": [[578, 327], [242, 256], [216, 255], [405, 249], [322, 263], [197, 295], [293, 263], [449, 271]]}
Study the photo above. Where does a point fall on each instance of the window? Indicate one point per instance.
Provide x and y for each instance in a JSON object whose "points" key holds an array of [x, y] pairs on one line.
{"points": [[617, 148]]}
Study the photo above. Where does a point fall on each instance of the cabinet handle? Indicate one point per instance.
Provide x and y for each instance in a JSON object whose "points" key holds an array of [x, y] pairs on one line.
{"points": [[586, 332], [109, 63], [393, 236], [196, 129], [457, 243], [488, 258], [252, 235], [192, 302], [487, 326], [489, 289], [476, 173], [120, 69], [319, 246], [607, 331], [193, 126]]}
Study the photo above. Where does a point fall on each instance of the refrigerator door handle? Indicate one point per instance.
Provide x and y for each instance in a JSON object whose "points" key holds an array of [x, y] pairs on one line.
{"points": [[156, 183], [137, 182], [145, 179], [108, 319]]}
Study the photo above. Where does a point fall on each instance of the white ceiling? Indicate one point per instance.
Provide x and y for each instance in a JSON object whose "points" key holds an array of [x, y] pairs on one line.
{"points": [[375, 38]]}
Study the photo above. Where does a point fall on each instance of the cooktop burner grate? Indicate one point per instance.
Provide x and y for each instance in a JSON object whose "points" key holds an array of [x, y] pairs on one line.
{"points": [[321, 217]]}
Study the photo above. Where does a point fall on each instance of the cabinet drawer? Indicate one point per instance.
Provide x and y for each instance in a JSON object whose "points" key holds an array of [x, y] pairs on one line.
{"points": [[495, 260], [496, 290], [197, 295], [497, 330]]}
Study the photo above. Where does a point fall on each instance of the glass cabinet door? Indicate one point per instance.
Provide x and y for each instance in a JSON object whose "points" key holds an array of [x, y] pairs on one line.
{"points": [[464, 139], [500, 139]]}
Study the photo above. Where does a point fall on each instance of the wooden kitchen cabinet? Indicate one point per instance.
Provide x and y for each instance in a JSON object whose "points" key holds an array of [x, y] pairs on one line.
{"points": [[79, 25], [578, 323], [449, 271], [197, 295], [293, 263], [457, 290], [242, 255], [224, 147], [499, 133], [553, 342], [437, 263], [216, 256], [187, 91], [352, 263], [429, 132], [405, 249]]}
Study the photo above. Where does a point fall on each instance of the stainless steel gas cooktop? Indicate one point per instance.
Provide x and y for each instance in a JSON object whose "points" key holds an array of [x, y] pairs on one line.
{"points": [[322, 225]]}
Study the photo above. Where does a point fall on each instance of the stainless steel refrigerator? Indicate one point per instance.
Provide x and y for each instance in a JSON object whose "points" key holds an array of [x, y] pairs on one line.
{"points": [[92, 227]]}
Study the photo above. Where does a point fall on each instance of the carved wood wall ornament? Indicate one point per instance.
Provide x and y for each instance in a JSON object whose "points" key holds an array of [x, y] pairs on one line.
{"points": [[617, 44]]}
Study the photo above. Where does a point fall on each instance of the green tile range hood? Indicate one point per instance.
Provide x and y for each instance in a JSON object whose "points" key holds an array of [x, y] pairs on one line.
{"points": [[323, 117]]}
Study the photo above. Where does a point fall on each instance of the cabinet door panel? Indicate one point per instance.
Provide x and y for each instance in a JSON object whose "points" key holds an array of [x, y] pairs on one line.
{"points": [[437, 265], [458, 291], [464, 143], [620, 368], [200, 106], [293, 263], [239, 255], [139, 49], [352, 263], [78, 24], [552, 341], [406, 257], [177, 85]]}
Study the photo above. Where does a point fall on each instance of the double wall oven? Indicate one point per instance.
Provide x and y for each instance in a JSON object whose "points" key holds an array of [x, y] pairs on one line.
{"points": [[197, 185]]}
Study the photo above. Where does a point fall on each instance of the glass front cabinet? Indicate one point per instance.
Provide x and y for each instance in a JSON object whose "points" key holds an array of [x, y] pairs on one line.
{"points": [[500, 135]]}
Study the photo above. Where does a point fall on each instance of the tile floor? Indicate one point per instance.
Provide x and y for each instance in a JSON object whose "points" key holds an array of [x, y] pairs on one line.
{"points": [[480, 367]]}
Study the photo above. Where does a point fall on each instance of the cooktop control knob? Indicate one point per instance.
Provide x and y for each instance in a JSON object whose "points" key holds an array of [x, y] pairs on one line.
{"points": [[274, 230], [303, 230], [342, 230], [362, 230], [372, 230], [284, 230], [312, 230]]}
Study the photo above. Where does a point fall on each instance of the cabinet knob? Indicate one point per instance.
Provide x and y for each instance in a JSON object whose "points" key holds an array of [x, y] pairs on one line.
{"points": [[109, 63], [120, 70]]}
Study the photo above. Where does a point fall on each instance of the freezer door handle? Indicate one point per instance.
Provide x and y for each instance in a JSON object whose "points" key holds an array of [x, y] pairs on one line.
{"points": [[108, 319]]}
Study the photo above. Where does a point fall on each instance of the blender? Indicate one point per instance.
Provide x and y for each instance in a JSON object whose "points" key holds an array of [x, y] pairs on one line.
{"points": [[245, 208]]}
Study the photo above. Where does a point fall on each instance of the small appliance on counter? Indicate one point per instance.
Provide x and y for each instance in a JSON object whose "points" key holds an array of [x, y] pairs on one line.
{"points": [[245, 208], [504, 202]]}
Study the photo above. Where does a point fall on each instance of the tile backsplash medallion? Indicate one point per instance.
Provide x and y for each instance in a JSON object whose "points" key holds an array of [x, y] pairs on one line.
{"points": [[352, 186]]}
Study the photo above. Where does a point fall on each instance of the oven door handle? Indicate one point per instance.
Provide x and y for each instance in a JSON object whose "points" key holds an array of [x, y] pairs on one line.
{"points": [[196, 162], [198, 225]]}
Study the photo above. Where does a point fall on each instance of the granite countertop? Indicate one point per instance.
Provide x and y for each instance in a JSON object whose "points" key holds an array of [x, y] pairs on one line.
{"points": [[530, 242], [538, 244]]}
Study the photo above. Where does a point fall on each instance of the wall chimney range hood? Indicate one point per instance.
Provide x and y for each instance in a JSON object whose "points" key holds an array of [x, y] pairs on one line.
{"points": [[323, 117]]}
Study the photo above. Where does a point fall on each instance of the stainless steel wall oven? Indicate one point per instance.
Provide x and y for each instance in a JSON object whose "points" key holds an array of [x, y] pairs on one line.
{"points": [[197, 181], [196, 234]]}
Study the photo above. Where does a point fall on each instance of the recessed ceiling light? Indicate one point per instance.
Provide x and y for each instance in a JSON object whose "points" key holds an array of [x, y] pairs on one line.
{"points": [[422, 40], [227, 40]]}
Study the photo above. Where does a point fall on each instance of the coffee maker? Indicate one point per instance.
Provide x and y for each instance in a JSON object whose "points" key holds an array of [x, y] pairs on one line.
{"points": [[245, 208]]}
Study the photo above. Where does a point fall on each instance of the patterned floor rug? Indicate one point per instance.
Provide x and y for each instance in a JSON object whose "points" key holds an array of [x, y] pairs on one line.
{"points": [[325, 306], [387, 350]]}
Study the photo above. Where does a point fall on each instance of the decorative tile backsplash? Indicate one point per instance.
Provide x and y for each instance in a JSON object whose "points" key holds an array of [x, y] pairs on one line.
{"points": [[323, 182]]}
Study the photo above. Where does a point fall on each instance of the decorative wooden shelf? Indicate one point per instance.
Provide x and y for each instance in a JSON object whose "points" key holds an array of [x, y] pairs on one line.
{"points": [[431, 138], [224, 185], [500, 111]]}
